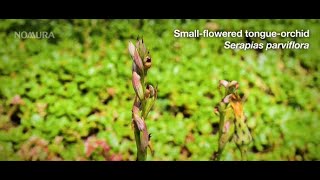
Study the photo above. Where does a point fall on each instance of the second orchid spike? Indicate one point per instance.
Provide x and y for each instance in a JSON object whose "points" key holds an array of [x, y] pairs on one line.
{"points": [[232, 119], [242, 134]]}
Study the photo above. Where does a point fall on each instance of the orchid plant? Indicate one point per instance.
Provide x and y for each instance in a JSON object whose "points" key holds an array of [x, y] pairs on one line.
{"points": [[232, 119], [145, 96]]}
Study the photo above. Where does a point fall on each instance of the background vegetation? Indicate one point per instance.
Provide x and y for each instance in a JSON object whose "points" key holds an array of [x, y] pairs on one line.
{"points": [[70, 98]]}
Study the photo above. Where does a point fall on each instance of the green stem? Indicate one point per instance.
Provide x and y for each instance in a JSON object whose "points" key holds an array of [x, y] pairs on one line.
{"points": [[143, 107], [243, 151], [143, 102], [141, 153], [220, 149], [217, 156]]}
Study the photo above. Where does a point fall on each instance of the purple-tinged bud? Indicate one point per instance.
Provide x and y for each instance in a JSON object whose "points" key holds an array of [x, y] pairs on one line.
{"points": [[147, 62], [233, 83], [137, 85], [136, 106], [151, 89], [132, 49], [139, 122], [142, 50], [143, 128], [137, 60], [223, 83], [150, 92], [226, 99]]}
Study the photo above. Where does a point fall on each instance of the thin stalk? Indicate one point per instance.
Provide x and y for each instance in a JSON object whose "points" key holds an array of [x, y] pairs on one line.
{"points": [[243, 151], [141, 154], [219, 152]]}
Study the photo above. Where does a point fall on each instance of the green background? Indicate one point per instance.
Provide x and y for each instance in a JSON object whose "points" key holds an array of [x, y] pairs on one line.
{"points": [[78, 85]]}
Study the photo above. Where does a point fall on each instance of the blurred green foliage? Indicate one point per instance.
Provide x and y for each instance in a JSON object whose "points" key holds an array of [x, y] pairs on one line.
{"points": [[78, 86]]}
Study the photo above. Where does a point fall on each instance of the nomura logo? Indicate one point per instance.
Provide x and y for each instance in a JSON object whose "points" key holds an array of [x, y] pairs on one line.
{"points": [[33, 35]]}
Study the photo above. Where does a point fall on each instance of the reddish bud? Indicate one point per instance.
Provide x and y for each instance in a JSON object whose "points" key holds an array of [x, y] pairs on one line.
{"points": [[227, 98], [223, 83], [137, 60], [137, 85], [139, 122], [147, 62], [142, 50], [233, 84], [131, 49]]}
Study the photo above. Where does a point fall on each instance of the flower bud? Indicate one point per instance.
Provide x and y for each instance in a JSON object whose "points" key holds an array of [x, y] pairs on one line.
{"points": [[132, 49], [137, 60], [223, 83], [233, 85], [142, 50], [139, 122], [226, 99], [147, 62], [144, 137], [152, 96], [136, 106], [150, 92], [151, 89], [137, 85]]}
